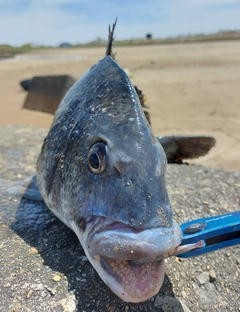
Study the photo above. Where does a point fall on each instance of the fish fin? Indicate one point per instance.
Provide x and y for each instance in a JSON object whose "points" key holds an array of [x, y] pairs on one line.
{"points": [[181, 147], [142, 100], [32, 192], [147, 115], [110, 40], [141, 97]]}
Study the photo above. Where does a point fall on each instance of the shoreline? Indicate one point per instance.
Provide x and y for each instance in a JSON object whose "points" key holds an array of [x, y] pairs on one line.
{"points": [[188, 91]]}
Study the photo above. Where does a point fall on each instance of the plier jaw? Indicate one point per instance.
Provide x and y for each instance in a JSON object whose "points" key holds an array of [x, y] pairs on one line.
{"points": [[208, 234], [204, 235]]}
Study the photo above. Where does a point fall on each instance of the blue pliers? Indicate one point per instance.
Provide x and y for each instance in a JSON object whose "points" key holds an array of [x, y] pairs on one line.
{"points": [[208, 234]]}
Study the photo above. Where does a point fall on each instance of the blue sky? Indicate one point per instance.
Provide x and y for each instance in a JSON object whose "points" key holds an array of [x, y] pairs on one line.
{"points": [[51, 22]]}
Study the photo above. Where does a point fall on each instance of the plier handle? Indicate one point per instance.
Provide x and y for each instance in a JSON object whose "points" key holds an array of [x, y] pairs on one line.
{"points": [[209, 234]]}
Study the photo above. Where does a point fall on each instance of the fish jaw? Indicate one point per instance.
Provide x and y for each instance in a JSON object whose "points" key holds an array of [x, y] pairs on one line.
{"points": [[111, 247]]}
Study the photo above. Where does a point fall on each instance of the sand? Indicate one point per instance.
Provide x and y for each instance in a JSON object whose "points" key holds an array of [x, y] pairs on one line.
{"points": [[190, 88]]}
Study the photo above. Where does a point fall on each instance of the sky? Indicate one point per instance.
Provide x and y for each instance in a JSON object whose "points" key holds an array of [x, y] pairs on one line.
{"points": [[51, 22]]}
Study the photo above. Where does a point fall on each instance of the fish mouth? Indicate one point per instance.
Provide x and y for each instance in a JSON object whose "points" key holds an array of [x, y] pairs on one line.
{"points": [[130, 261], [130, 282]]}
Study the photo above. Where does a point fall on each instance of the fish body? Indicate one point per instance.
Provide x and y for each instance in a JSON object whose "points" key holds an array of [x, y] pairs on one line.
{"points": [[101, 171]]}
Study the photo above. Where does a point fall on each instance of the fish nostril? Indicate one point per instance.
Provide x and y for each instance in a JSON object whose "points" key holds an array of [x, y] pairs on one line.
{"points": [[117, 170], [129, 182]]}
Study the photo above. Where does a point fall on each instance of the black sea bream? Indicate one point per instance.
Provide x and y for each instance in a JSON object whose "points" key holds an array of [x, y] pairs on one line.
{"points": [[101, 171]]}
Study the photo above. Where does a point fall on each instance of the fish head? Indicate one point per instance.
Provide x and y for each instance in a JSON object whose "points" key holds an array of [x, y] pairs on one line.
{"points": [[101, 171]]}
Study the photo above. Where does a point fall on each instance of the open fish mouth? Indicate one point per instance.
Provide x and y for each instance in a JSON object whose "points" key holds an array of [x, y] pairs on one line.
{"points": [[130, 261], [133, 283]]}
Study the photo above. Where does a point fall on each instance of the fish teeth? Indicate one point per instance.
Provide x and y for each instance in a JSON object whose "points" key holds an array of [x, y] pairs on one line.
{"points": [[137, 280]]}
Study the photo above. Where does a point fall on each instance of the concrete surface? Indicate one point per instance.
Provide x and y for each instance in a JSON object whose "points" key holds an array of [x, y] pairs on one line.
{"points": [[43, 267], [46, 92]]}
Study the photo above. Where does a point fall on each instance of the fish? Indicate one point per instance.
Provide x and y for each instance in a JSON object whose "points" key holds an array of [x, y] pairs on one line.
{"points": [[101, 171]]}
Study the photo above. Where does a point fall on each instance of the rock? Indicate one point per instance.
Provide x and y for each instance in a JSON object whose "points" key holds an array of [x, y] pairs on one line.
{"points": [[34, 245], [168, 304], [185, 307], [212, 275], [68, 304], [203, 278], [56, 278], [29, 294]]}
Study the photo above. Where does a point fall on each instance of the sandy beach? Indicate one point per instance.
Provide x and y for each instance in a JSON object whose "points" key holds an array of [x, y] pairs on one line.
{"points": [[190, 89]]}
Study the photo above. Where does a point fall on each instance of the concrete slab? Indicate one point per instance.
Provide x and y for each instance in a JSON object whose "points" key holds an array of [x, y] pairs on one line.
{"points": [[46, 92]]}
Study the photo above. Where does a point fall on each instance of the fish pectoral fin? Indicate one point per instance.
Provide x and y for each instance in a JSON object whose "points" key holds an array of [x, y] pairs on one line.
{"points": [[32, 192], [179, 147]]}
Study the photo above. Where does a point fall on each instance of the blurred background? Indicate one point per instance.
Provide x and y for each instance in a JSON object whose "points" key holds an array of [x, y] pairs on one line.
{"points": [[183, 55]]}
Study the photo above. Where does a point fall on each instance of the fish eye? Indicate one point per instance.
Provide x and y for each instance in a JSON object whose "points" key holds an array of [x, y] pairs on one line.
{"points": [[97, 157]]}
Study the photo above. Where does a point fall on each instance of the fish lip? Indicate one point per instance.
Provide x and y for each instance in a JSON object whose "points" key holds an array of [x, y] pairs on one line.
{"points": [[122, 242]]}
